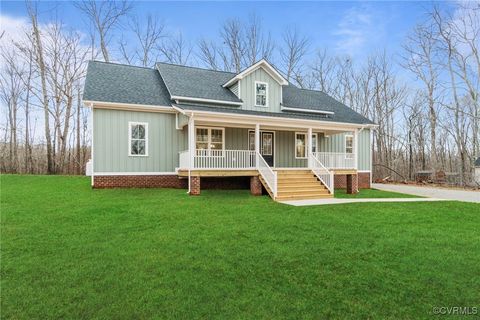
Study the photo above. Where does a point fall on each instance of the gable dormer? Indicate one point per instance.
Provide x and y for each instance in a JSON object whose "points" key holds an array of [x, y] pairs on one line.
{"points": [[259, 87]]}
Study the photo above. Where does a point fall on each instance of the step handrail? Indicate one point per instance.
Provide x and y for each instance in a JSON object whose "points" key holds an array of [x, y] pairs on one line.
{"points": [[268, 175], [322, 173]]}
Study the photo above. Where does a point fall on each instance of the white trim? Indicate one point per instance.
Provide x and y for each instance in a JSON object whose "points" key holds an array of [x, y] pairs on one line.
{"points": [[260, 64], [167, 173], [209, 128], [178, 109], [306, 110], [295, 145], [266, 94], [205, 100], [99, 104], [363, 171], [130, 124], [279, 121], [92, 147]]}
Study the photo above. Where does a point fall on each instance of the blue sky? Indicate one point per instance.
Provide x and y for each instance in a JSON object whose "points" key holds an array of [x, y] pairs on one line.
{"points": [[352, 28]]}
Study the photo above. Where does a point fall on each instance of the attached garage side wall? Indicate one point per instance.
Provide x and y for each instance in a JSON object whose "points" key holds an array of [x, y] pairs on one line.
{"points": [[111, 142]]}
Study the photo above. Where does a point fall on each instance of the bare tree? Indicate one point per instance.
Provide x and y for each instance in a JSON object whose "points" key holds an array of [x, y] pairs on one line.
{"points": [[148, 37], [40, 61], [11, 90], [295, 48], [420, 60], [175, 49], [257, 44], [104, 16]]}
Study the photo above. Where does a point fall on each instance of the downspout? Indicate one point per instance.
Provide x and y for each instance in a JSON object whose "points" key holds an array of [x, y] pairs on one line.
{"points": [[189, 151]]}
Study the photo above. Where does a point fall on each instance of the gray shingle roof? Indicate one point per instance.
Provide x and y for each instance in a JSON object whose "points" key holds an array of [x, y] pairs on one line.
{"points": [[111, 82], [196, 83], [294, 97]]}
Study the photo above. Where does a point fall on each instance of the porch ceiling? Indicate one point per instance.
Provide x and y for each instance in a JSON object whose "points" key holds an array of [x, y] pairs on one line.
{"points": [[326, 131]]}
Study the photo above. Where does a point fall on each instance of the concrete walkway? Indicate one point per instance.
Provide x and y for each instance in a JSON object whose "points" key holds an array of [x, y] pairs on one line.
{"points": [[439, 193], [316, 202]]}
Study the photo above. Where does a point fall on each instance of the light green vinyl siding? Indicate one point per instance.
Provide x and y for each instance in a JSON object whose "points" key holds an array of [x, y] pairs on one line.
{"points": [[247, 91], [236, 139], [336, 143], [111, 142], [285, 151], [364, 150]]}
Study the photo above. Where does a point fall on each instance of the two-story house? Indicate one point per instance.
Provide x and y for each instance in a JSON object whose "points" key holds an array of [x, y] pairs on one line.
{"points": [[186, 127]]}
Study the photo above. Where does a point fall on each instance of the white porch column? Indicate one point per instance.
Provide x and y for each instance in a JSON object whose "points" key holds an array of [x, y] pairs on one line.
{"points": [[257, 143], [309, 146], [191, 140], [355, 147], [257, 138]]}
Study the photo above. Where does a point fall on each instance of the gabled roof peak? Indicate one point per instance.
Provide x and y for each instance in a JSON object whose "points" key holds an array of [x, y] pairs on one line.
{"points": [[260, 64]]}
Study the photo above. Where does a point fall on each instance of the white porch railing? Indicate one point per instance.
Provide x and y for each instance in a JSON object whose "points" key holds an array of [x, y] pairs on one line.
{"points": [[321, 172], [221, 159], [267, 174], [336, 160]]}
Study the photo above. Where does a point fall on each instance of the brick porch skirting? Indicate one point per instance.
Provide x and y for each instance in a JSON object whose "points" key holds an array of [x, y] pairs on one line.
{"points": [[140, 181], [340, 180], [168, 181]]}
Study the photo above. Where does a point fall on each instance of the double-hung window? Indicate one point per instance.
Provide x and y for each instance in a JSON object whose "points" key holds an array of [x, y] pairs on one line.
{"points": [[138, 139], [300, 145], [301, 141], [348, 146], [210, 141], [314, 142], [261, 94]]}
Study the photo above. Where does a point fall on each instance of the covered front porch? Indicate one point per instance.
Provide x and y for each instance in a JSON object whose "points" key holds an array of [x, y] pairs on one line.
{"points": [[267, 151]]}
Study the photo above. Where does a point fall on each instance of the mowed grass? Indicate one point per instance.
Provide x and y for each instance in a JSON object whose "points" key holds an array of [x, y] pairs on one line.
{"points": [[371, 193], [70, 252]]}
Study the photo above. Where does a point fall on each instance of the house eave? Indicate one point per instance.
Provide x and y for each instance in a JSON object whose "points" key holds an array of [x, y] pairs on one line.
{"points": [[260, 64]]}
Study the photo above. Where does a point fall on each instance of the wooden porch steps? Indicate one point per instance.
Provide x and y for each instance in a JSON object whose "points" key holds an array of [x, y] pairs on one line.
{"points": [[298, 185]]}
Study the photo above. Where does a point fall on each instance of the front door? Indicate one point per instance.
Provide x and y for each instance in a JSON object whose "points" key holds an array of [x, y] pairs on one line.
{"points": [[266, 147]]}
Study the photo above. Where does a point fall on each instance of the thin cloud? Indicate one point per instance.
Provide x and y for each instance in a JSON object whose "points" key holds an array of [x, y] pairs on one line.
{"points": [[356, 30]]}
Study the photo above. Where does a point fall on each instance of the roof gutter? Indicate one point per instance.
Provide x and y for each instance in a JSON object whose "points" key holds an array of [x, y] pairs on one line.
{"points": [[181, 98], [306, 110]]}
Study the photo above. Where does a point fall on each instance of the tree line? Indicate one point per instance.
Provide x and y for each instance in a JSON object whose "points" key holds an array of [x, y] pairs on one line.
{"points": [[430, 123]]}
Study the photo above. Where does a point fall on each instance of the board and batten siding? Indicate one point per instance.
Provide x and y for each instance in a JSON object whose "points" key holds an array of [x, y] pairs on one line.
{"points": [[336, 143], [111, 142], [247, 91]]}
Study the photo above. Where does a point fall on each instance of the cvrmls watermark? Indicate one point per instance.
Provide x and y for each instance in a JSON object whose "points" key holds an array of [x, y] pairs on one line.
{"points": [[461, 311]]}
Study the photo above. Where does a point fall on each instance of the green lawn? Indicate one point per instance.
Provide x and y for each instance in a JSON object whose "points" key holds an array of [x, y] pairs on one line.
{"points": [[372, 193], [69, 252]]}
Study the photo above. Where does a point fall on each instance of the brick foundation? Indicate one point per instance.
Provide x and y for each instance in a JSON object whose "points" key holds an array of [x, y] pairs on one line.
{"points": [[255, 186], [141, 181], [340, 180]]}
